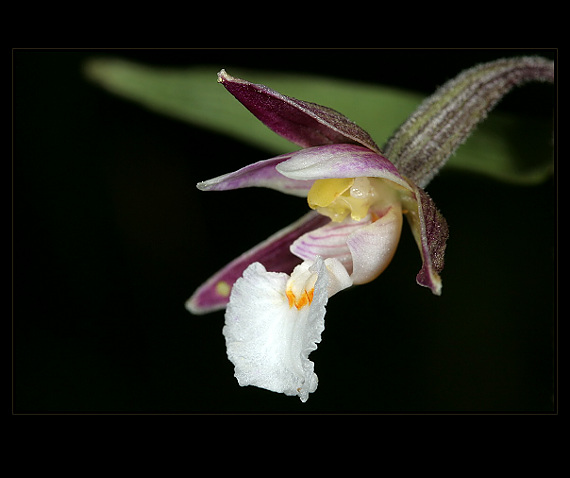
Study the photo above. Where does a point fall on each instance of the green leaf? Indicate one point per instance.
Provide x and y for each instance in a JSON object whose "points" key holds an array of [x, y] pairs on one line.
{"points": [[506, 147]]}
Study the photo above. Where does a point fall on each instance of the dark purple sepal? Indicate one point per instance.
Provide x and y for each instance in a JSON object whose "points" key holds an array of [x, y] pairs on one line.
{"points": [[430, 231], [303, 123], [273, 253]]}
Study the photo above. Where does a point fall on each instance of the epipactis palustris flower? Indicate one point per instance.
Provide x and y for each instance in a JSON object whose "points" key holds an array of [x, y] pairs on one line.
{"points": [[276, 293]]}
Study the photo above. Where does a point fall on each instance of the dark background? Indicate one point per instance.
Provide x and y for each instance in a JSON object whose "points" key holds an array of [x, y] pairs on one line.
{"points": [[110, 237]]}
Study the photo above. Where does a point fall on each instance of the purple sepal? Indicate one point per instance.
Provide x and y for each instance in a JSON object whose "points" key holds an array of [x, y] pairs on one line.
{"points": [[261, 174], [273, 253], [303, 123], [431, 232]]}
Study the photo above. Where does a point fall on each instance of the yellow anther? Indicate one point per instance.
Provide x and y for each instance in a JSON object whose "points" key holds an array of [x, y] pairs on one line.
{"points": [[337, 198], [325, 191]]}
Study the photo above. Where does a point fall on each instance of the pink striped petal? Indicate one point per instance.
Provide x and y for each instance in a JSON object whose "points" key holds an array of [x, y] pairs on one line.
{"points": [[340, 161], [364, 248], [373, 247], [329, 241]]}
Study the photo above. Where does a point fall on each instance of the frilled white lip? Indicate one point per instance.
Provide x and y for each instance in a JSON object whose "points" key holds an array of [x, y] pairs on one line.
{"points": [[269, 338]]}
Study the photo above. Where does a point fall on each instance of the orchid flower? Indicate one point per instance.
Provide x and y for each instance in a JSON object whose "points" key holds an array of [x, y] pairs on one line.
{"points": [[275, 294]]}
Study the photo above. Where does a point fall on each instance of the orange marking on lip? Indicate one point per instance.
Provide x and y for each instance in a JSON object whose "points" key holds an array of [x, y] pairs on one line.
{"points": [[305, 299], [290, 298]]}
